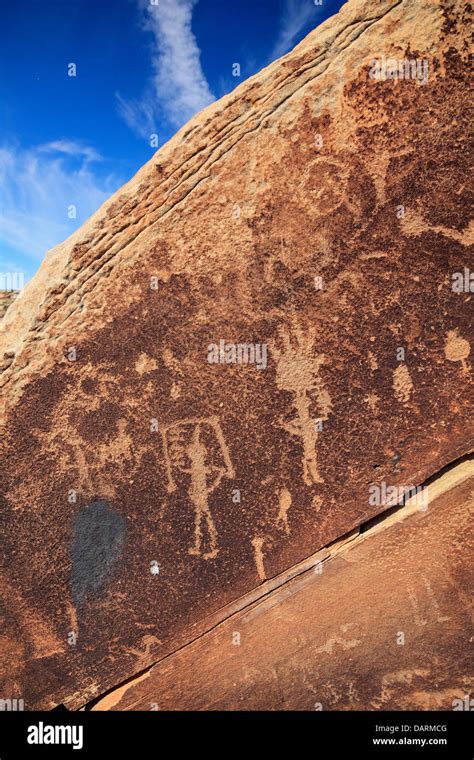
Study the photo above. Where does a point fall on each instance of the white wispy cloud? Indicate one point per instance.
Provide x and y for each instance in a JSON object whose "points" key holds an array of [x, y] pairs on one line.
{"points": [[139, 115], [177, 87], [296, 16], [71, 148], [38, 185]]}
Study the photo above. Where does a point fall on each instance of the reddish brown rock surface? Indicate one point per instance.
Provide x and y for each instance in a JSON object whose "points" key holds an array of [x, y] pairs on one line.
{"points": [[371, 627], [315, 211]]}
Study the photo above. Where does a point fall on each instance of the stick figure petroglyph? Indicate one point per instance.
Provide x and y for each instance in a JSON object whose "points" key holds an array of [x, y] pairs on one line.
{"points": [[189, 447], [298, 372]]}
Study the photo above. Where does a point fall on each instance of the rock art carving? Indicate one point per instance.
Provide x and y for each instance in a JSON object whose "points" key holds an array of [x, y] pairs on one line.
{"points": [[402, 383], [185, 452], [298, 372], [323, 261], [257, 544], [285, 502], [457, 349], [338, 640]]}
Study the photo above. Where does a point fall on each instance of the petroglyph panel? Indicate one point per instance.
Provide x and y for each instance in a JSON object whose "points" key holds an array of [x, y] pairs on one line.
{"points": [[321, 266], [390, 611]]}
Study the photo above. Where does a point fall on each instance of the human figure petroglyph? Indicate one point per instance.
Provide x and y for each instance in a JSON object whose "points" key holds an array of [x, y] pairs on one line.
{"points": [[182, 444], [298, 372]]}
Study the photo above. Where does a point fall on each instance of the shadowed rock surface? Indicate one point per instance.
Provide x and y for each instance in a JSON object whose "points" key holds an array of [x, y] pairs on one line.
{"points": [[316, 215], [99, 534]]}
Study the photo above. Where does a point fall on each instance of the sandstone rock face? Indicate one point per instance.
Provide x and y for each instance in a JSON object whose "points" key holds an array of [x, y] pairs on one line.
{"points": [[6, 298], [233, 361], [374, 629]]}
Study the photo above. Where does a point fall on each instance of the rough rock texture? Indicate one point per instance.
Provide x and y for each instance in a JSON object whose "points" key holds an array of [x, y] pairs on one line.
{"points": [[6, 298], [372, 628], [315, 210]]}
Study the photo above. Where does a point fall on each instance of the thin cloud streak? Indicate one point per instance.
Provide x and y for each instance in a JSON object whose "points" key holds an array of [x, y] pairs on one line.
{"points": [[178, 88], [297, 15], [38, 185], [71, 148], [138, 115]]}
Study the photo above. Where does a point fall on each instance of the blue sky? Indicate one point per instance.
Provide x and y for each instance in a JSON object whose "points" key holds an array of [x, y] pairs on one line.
{"points": [[142, 67]]}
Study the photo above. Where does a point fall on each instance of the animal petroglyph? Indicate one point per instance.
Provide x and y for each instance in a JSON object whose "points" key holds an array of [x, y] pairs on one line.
{"points": [[338, 640], [298, 372], [151, 644], [196, 447]]}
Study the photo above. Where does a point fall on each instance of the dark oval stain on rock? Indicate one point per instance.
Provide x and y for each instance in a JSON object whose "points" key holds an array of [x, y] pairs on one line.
{"points": [[99, 535]]}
